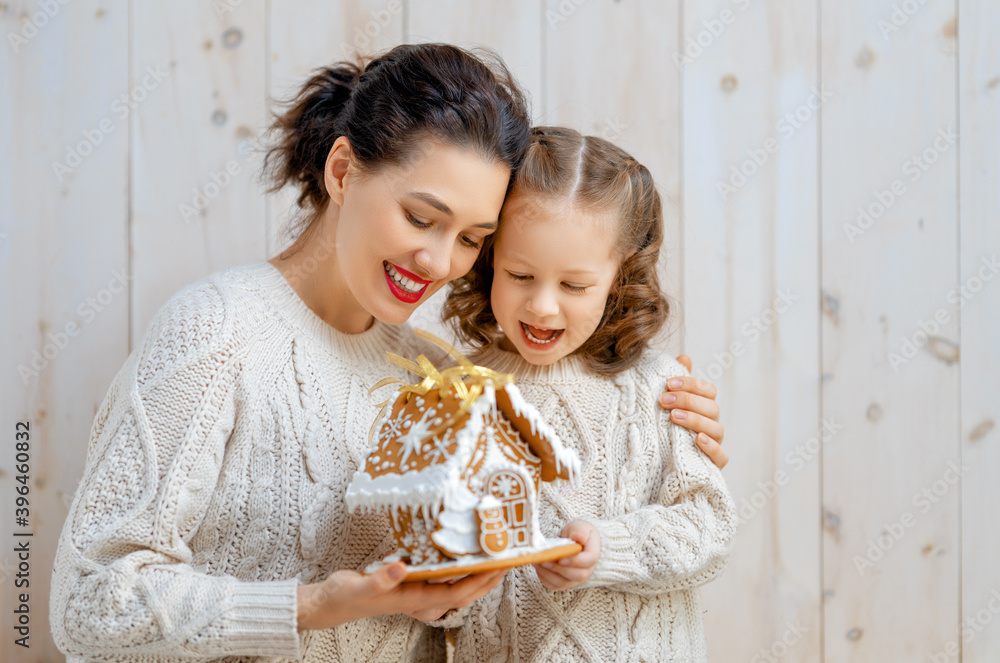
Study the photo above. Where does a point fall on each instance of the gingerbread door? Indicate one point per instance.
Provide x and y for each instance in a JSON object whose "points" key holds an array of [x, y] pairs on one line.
{"points": [[509, 487]]}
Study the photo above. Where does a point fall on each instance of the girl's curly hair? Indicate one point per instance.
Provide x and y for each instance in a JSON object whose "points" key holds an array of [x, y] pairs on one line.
{"points": [[594, 175]]}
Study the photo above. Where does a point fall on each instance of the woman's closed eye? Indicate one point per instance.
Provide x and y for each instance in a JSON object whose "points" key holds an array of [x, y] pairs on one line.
{"points": [[471, 243], [423, 225], [416, 222]]}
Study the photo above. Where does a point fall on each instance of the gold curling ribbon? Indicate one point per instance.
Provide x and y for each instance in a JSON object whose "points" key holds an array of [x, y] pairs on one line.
{"points": [[467, 380]]}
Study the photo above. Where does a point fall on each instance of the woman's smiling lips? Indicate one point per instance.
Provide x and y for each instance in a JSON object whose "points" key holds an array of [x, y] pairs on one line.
{"points": [[405, 286], [539, 338]]}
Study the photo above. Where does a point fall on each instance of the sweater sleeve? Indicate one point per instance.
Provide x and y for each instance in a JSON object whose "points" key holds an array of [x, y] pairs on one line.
{"points": [[123, 583], [684, 537]]}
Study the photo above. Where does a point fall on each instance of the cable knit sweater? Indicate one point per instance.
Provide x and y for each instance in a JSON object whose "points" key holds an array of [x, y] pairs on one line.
{"points": [[664, 514], [214, 485]]}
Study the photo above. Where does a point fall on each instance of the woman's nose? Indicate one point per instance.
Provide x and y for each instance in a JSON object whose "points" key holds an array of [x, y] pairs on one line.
{"points": [[434, 260]]}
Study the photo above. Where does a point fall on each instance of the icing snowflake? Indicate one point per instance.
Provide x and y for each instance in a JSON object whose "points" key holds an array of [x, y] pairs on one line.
{"points": [[394, 428], [505, 486]]}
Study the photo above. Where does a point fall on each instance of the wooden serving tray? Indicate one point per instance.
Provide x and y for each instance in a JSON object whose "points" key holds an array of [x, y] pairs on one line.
{"points": [[458, 569]]}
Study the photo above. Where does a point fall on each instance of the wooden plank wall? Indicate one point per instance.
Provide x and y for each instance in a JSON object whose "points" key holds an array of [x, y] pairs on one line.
{"points": [[830, 175]]}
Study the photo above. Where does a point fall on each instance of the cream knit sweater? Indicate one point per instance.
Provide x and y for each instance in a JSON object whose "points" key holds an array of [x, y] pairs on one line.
{"points": [[214, 485], [664, 514]]}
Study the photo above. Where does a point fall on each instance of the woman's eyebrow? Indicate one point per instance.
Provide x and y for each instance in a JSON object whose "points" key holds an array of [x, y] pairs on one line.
{"points": [[431, 200]]}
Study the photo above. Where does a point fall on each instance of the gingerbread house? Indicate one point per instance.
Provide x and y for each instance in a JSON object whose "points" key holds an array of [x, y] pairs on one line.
{"points": [[457, 463]]}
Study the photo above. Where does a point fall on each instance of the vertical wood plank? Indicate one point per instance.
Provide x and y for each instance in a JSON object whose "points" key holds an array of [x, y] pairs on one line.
{"points": [[889, 232], [195, 207], [609, 72], [751, 104], [63, 269], [979, 296]]}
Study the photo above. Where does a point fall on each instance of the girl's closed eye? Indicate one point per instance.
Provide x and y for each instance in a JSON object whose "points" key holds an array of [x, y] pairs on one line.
{"points": [[514, 276], [576, 288]]}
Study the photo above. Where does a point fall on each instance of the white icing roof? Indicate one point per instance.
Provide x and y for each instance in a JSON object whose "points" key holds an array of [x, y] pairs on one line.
{"points": [[440, 486]]}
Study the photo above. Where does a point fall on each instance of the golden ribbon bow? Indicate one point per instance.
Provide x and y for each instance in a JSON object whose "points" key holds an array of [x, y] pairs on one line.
{"points": [[466, 379]]}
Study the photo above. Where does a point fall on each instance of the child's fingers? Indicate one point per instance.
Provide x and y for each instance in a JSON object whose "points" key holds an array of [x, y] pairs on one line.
{"points": [[551, 580], [562, 578], [578, 530], [581, 560]]}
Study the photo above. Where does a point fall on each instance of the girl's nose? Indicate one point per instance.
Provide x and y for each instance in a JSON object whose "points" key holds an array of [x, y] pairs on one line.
{"points": [[543, 303]]}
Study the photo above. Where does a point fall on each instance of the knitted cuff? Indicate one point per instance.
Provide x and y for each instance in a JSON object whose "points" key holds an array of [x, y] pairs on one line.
{"points": [[618, 554], [263, 618]]}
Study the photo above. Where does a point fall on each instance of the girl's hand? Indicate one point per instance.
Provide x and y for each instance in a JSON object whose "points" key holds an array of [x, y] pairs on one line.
{"points": [[692, 405], [347, 595], [572, 571]]}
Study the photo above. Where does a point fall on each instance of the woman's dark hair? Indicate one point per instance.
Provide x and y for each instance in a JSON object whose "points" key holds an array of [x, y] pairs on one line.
{"points": [[386, 106], [595, 177]]}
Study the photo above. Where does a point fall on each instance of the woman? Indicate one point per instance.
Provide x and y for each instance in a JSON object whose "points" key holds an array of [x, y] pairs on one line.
{"points": [[210, 521]]}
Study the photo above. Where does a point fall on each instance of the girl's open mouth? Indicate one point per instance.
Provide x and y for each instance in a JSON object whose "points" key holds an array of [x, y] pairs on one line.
{"points": [[405, 286], [540, 338]]}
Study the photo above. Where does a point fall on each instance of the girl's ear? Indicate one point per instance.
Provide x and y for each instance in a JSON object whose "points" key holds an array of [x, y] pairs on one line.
{"points": [[338, 164]]}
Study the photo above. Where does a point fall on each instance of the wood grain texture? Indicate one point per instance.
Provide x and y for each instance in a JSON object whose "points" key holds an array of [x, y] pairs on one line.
{"points": [[818, 573], [751, 298], [194, 208], [979, 297], [891, 554], [63, 268]]}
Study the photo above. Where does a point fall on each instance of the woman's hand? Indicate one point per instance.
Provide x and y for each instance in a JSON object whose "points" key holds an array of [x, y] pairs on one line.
{"points": [[692, 405], [347, 595], [569, 572]]}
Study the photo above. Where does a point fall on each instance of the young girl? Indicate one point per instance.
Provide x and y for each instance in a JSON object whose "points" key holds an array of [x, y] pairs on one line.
{"points": [[565, 296]]}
